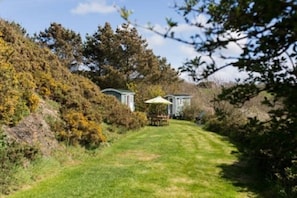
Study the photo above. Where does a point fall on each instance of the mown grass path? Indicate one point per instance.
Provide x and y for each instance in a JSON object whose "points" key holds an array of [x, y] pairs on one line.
{"points": [[179, 160]]}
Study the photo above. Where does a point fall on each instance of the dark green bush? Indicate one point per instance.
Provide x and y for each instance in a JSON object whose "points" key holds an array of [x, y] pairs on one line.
{"points": [[190, 112], [270, 146], [215, 125], [120, 115], [196, 114], [12, 155]]}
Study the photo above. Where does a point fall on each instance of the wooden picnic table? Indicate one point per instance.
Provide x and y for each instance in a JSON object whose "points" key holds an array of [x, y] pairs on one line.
{"points": [[158, 120]]}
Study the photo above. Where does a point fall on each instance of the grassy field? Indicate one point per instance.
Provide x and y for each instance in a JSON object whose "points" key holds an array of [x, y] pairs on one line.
{"points": [[179, 160]]}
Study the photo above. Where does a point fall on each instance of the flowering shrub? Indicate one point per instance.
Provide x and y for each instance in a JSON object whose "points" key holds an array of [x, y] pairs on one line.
{"points": [[80, 130]]}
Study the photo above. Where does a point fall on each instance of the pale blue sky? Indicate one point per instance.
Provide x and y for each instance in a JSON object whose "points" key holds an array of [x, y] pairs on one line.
{"points": [[84, 16]]}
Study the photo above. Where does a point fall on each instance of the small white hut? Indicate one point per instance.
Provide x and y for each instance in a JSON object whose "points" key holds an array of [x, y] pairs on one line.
{"points": [[124, 96], [179, 102]]}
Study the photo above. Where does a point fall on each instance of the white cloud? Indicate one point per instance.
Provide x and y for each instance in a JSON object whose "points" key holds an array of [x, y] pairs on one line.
{"points": [[155, 41], [188, 51], [93, 6], [228, 74], [185, 28]]}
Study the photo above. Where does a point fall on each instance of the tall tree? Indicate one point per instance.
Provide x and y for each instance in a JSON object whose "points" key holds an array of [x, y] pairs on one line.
{"points": [[265, 33], [65, 43], [121, 57], [99, 49]]}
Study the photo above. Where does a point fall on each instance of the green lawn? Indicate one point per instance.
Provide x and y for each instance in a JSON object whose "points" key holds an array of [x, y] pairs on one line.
{"points": [[179, 160]]}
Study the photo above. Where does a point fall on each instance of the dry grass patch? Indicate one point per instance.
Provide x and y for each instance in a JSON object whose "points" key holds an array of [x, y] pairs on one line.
{"points": [[182, 180], [139, 155], [173, 191]]}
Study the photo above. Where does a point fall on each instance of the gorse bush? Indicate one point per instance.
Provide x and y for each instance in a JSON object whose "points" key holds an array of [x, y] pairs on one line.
{"points": [[33, 102], [80, 130], [16, 90], [141, 119]]}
